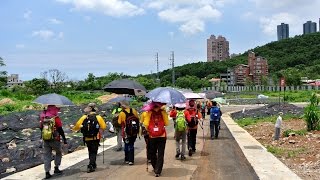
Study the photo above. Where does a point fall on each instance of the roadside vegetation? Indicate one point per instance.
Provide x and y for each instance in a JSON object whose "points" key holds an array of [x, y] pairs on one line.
{"points": [[253, 121]]}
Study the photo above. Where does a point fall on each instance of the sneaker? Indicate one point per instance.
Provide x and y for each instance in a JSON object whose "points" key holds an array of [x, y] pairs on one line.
{"points": [[57, 171], [183, 157], [130, 163], [157, 175], [127, 162], [177, 155], [48, 175], [190, 152], [118, 149], [90, 169]]}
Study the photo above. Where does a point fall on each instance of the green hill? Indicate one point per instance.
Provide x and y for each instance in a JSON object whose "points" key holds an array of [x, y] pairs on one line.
{"points": [[298, 56]]}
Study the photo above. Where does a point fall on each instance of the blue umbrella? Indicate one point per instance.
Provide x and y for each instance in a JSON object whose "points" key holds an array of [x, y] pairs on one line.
{"points": [[119, 98], [53, 99], [166, 95]]}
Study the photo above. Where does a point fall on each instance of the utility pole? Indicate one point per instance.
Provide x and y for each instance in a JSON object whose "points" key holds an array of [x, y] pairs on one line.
{"points": [[172, 67], [157, 61]]}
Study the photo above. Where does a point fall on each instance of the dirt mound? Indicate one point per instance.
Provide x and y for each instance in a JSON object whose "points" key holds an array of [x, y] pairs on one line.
{"points": [[269, 110], [6, 101], [106, 98]]}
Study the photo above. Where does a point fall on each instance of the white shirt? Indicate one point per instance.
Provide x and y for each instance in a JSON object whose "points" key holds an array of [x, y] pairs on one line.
{"points": [[278, 122]]}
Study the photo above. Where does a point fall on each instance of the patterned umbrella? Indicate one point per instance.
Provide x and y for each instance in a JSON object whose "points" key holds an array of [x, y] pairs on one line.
{"points": [[53, 99], [166, 95], [125, 86]]}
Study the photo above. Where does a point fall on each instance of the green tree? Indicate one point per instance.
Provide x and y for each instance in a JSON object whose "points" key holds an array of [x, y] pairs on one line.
{"points": [[148, 83], [292, 77], [37, 86], [3, 74]]}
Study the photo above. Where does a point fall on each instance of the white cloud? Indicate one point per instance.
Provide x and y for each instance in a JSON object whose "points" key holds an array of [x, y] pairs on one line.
{"points": [[20, 46], [27, 15], [269, 24], [191, 15], [114, 8], [54, 21], [47, 34]]}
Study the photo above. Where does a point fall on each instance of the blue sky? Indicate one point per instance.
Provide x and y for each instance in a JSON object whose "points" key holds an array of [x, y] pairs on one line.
{"points": [[101, 36]]}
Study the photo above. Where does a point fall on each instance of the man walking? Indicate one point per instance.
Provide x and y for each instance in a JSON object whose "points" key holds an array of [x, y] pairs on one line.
{"points": [[215, 117]]}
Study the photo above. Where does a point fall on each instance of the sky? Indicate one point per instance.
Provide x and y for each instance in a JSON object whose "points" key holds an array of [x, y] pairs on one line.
{"points": [[79, 37]]}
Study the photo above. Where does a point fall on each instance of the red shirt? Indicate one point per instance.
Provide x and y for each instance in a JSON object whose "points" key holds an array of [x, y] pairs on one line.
{"points": [[192, 112], [173, 113]]}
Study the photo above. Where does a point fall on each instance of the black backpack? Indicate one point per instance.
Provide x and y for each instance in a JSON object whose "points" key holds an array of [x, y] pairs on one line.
{"points": [[194, 121], [132, 124], [90, 126]]}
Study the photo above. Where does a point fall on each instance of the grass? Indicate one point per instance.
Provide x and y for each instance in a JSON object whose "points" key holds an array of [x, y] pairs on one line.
{"points": [[279, 152], [252, 121], [300, 132]]}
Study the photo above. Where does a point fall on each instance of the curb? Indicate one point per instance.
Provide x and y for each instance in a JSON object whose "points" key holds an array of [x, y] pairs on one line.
{"points": [[264, 163]]}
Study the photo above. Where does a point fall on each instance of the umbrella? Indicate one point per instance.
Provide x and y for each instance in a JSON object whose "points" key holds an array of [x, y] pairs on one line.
{"points": [[120, 98], [53, 99], [191, 95], [166, 95], [220, 100], [125, 86]]}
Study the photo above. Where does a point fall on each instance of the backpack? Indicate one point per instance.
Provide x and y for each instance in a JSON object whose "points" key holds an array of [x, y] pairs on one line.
{"points": [[181, 124], [90, 126], [48, 130], [194, 121], [115, 120], [132, 124], [156, 125], [215, 114]]}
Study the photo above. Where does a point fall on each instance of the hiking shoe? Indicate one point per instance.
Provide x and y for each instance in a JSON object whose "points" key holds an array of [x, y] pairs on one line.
{"points": [[190, 152], [157, 175], [90, 169], [130, 163], [177, 155], [183, 157], [57, 171], [48, 175]]}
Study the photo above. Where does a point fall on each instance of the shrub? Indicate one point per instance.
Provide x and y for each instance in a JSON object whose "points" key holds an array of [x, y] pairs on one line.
{"points": [[312, 113]]}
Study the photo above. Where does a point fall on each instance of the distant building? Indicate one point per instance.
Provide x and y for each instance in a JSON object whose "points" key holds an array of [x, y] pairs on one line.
{"points": [[258, 67], [309, 27], [241, 73], [234, 55], [13, 80], [283, 31], [228, 77], [217, 49]]}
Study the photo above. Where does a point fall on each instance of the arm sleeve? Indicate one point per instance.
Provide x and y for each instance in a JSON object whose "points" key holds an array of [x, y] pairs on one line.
{"points": [[101, 122], [165, 118], [187, 116], [77, 127], [121, 118], [135, 113]]}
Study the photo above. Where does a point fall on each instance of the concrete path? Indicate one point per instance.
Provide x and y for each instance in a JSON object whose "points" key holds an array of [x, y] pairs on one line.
{"points": [[215, 159]]}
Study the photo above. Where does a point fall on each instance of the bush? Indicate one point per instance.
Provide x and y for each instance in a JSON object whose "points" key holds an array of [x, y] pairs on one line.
{"points": [[312, 113]]}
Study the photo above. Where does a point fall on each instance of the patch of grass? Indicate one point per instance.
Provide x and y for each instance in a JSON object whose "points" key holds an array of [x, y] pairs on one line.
{"points": [[300, 132], [279, 152], [80, 97], [252, 121], [295, 152], [276, 150]]}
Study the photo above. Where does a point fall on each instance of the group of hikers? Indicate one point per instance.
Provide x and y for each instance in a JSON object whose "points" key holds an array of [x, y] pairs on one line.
{"points": [[128, 123]]}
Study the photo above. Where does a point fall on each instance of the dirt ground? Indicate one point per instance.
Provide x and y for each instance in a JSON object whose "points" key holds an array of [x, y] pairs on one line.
{"points": [[301, 153]]}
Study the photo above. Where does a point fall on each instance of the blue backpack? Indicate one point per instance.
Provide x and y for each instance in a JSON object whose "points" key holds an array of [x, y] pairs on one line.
{"points": [[215, 114]]}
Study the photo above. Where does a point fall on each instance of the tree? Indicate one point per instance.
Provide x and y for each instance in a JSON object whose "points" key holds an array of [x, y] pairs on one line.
{"points": [[55, 77], [37, 86], [3, 75], [148, 83]]}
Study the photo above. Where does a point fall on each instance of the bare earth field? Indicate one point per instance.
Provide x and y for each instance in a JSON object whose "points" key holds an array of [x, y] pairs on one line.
{"points": [[301, 153]]}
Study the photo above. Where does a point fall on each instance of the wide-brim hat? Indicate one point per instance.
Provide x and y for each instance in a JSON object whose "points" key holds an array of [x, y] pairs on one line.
{"points": [[91, 107]]}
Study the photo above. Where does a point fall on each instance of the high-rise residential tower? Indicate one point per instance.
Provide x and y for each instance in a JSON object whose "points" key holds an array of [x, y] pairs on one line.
{"points": [[309, 27], [217, 48], [283, 31]]}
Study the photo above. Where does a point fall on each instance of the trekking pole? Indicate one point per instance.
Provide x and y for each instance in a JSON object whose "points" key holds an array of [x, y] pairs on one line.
{"points": [[102, 148], [147, 153]]}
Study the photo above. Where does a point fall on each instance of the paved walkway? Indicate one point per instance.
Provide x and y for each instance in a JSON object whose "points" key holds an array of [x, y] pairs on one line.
{"points": [[221, 158]]}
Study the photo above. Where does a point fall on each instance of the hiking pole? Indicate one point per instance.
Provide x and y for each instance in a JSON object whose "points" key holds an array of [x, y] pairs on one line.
{"points": [[102, 148], [147, 153]]}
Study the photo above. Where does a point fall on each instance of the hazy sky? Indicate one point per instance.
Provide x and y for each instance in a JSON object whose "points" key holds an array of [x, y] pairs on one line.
{"points": [[101, 36]]}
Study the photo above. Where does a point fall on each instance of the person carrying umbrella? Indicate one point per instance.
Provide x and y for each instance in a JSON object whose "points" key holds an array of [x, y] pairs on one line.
{"points": [[129, 121], [155, 121], [51, 130], [91, 125], [192, 116]]}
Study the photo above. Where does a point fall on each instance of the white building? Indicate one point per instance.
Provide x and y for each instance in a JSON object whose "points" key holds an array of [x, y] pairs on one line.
{"points": [[13, 80]]}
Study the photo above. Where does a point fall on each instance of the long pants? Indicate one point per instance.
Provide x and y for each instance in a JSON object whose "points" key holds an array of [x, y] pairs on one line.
{"points": [[119, 138], [129, 148], [181, 136], [203, 113], [47, 155], [208, 111], [192, 137], [157, 147], [147, 140], [93, 151], [214, 129], [277, 134]]}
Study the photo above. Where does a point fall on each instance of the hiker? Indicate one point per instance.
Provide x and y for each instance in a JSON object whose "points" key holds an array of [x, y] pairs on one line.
{"points": [[192, 116], [145, 135], [209, 105], [115, 124], [215, 118], [92, 126], [51, 130], [155, 121], [180, 131], [129, 121], [203, 109], [278, 126], [173, 115]]}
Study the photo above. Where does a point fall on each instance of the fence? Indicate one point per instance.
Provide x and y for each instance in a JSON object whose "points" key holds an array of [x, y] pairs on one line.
{"points": [[260, 88]]}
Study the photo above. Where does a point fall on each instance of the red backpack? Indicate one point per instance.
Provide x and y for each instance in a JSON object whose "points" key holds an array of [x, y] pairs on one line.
{"points": [[156, 125]]}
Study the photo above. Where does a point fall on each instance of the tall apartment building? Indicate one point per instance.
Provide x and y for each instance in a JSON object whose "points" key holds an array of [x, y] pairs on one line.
{"points": [[228, 77], [258, 67], [13, 80], [309, 27], [241, 73], [217, 49], [283, 31]]}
